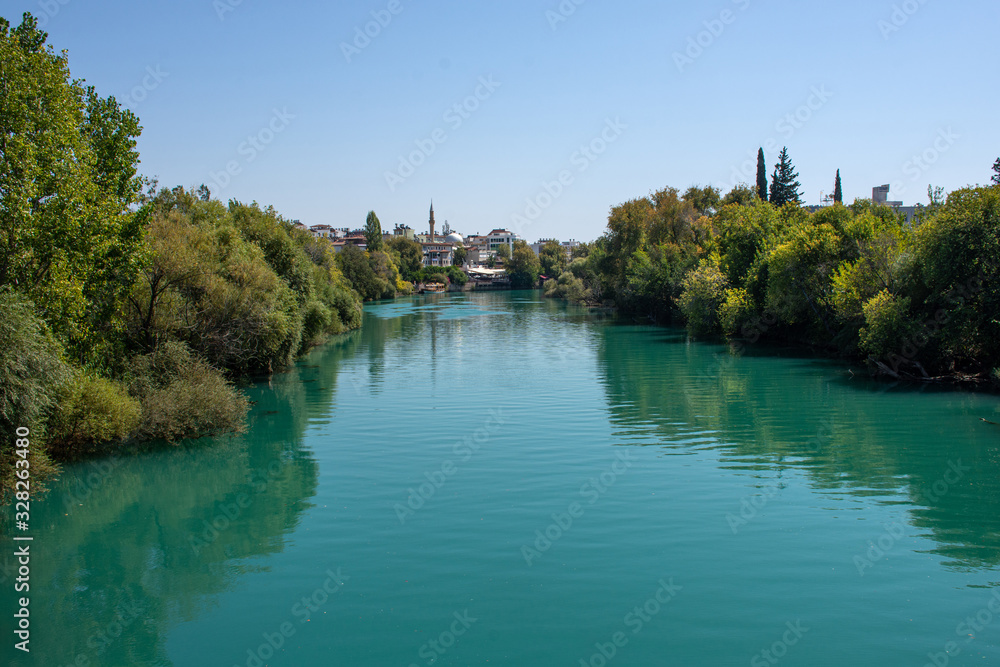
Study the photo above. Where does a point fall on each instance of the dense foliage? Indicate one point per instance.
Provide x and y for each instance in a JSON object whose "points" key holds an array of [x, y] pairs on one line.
{"points": [[127, 316], [917, 300]]}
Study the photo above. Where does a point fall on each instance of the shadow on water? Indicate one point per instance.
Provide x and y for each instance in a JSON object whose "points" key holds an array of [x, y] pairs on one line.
{"points": [[925, 448], [125, 548]]}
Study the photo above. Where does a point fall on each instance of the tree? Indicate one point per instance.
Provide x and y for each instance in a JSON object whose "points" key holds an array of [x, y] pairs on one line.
{"points": [[69, 239], [409, 254], [838, 190], [460, 254], [761, 175], [784, 187], [503, 252], [357, 268], [996, 170], [553, 259], [704, 291], [373, 232], [523, 266], [741, 195], [705, 200]]}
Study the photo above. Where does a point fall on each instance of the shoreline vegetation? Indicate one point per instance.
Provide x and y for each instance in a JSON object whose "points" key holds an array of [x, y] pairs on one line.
{"points": [[130, 314], [915, 301]]}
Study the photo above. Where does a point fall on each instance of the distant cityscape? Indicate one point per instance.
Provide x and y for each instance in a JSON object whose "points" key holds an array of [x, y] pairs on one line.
{"points": [[481, 250]]}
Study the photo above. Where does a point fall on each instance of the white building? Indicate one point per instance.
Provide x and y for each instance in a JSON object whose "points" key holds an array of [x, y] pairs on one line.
{"points": [[499, 237]]}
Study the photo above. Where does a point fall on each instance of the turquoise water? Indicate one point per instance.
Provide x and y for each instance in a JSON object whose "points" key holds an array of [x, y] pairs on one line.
{"points": [[495, 479]]}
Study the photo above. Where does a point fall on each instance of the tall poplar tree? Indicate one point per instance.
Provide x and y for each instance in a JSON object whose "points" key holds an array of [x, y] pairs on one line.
{"points": [[838, 190], [373, 232], [784, 187], [761, 175], [70, 240]]}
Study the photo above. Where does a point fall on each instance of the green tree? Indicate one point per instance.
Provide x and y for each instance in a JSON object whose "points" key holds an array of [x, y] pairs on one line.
{"points": [[741, 194], [353, 261], [553, 259], [503, 252], [32, 371], [705, 200], [838, 190], [460, 254], [761, 175], [957, 266], [410, 256], [704, 291], [996, 172], [69, 238], [784, 187], [523, 266], [628, 228], [373, 232]]}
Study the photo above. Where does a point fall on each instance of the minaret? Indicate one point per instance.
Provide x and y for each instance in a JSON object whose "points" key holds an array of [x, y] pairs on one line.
{"points": [[432, 221]]}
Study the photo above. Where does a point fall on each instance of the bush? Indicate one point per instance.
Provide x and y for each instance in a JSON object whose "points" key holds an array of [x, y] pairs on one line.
{"points": [[704, 290], [736, 312], [886, 325], [31, 372], [316, 321], [568, 287], [92, 411], [183, 396]]}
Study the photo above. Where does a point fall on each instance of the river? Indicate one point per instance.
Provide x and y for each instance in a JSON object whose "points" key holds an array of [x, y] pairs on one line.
{"points": [[497, 479]]}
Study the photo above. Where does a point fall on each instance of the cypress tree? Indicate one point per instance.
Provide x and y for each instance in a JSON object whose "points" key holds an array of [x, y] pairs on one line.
{"points": [[784, 187], [373, 232], [761, 175], [838, 190]]}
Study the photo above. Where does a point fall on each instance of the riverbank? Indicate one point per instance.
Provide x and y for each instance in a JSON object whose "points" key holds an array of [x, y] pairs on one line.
{"points": [[913, 301]]}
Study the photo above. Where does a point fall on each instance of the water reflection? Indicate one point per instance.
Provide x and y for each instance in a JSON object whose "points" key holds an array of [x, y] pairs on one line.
{"points": [[126, 548], [768, 410]]}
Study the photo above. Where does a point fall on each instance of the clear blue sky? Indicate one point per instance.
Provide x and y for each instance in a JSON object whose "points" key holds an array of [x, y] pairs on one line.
{"points": [[223, 69]]}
